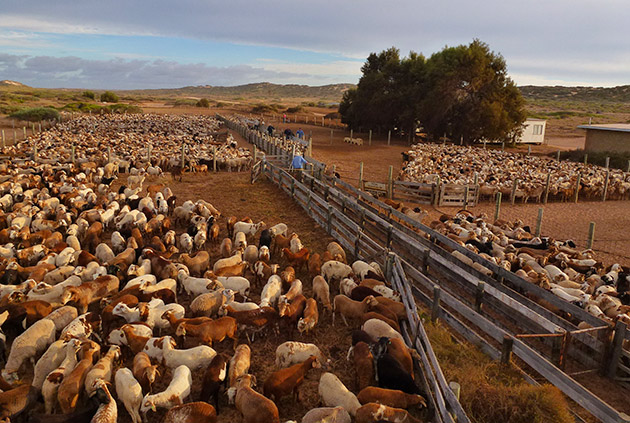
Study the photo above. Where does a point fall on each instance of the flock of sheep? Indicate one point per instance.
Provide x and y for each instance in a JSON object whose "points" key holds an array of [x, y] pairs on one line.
{"points": [[497, 170], [135, 140], [572, 274], [113, 308]]}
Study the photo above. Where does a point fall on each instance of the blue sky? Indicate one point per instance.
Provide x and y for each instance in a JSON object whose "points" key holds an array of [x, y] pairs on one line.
{"points": [[162, 44]]}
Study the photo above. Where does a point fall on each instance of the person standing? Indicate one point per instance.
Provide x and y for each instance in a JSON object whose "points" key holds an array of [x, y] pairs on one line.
{"points": [[297, 164], [300, 133]]}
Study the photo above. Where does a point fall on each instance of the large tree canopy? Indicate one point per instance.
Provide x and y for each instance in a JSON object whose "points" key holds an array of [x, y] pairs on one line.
{"points": [[462, 91]]}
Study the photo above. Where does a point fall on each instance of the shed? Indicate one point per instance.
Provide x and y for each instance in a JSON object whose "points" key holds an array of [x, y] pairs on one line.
{"points": [[533, 132], [607, 137]]}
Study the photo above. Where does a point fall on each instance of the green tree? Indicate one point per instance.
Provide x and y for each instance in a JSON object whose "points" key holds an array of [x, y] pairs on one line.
{"points": [[89, 94], [203, 102], [470, 96], [36, 114], [109, 97], [463, 91]]}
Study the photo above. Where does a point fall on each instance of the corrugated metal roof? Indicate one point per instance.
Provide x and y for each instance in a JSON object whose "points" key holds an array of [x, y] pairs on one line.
{"points": [[618, 127]]}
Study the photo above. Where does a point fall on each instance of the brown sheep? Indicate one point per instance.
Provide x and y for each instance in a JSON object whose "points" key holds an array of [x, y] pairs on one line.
{"points": [[285, 381]]}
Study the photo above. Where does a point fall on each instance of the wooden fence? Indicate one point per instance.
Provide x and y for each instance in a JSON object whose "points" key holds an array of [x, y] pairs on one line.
{"points": [[442, 400], [484, 309]]}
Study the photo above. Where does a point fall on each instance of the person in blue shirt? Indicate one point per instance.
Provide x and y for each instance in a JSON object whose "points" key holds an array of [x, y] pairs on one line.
{"points": [[300, 133], [298, 164]]}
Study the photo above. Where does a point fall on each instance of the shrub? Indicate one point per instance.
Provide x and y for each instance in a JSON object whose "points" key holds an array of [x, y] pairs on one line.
{"points": [[220, 104], [123, 108], [109, 97], [36, 114], [185, 102], [333, 115], [265, 108], [89, 94], [296, 109], [203, 103]]}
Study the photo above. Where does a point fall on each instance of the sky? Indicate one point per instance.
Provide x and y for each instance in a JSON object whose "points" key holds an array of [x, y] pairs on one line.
{"points": [[138, 44]]}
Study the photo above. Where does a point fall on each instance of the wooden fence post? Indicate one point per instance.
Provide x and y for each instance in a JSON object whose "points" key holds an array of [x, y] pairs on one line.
{"points": [[616, 349], [481, 286], [329, 219], [497, 209], [503, 146], [331, 136], [24, 129], [466, 189], [606, 185], [591, 235], [370, 138], [4, 143], [183, 158], [556, 348], [546, 196], [34, 152], [585, 159], [389, 141], [72, 153], [435, 307], [436, 198], [361, 176], [506, 349], [40, 127], [254, 148], [628, 169], [351, 132], [109, 154], [539, 221], [214, 157], [529, 150], [425, 261], [390, 182], [14, 137], [558, 156], [607, 162], [577, 187], [513, 195]]}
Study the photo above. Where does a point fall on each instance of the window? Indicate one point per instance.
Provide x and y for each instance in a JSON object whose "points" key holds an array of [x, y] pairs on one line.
{"points": [[538, 129]]}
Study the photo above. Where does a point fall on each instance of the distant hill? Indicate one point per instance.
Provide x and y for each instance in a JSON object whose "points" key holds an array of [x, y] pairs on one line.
{"points": [[9, 83], [620, 94], [261, 90]]}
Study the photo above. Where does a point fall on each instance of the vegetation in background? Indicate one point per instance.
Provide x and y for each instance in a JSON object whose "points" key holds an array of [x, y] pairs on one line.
{"points": [[182, 102], [109, 97], [89, 94], [36, 114], [617, 160], [81, 107], [492, 392], [266, 108], [203, 103], [296, 109], [461, 91], [220, 104]]}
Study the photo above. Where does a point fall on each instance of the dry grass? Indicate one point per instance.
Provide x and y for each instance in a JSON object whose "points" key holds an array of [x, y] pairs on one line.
{"points": [[492, 392]]}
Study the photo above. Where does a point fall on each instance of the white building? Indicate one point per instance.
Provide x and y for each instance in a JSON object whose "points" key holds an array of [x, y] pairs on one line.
{"points": [[534, 132]]}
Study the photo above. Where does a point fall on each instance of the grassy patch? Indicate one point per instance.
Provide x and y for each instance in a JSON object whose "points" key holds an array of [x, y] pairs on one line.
{"points": [[492, 392], [36, 114]]}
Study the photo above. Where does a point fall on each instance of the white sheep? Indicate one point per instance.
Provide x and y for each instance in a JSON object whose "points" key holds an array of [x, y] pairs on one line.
{"points": [[271, 291], [334, 393], [63, 316], [209, 304], [248, 228], [129, 392], [334, 269], [377, 328], [280, 228], [29, 344], [227, 262], [196, 358], [292, 352], [196, 286], [236, 283], [48, 362], [117, 336], [173, 395]]}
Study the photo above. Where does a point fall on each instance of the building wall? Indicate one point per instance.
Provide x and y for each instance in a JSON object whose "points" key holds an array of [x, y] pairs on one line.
{"points": [[534, 132], [598, 140]]}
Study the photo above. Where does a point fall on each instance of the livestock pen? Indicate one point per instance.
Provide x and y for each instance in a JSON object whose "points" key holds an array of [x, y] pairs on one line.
{"points": [[360, 221]]}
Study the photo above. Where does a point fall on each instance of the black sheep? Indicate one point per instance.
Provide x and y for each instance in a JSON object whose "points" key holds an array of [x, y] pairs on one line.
{"points": [[215, 376], [483, 247], [359, 293], [391, 375], [361, 336], [265, 239]]}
